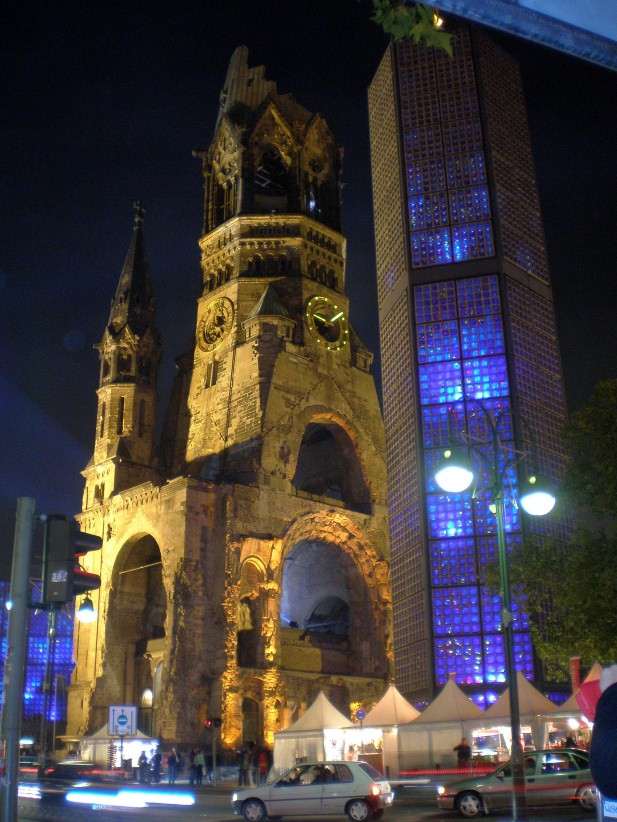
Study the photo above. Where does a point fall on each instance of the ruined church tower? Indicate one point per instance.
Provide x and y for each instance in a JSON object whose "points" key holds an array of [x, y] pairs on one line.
{"points": [[245, 557]]}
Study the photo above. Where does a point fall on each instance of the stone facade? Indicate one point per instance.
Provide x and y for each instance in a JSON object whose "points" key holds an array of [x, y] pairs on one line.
{"points": [[245, 563]]}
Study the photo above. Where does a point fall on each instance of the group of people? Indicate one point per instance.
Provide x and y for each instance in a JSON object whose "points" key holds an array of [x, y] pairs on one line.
{"points": [[150, 769], [253, 764]]}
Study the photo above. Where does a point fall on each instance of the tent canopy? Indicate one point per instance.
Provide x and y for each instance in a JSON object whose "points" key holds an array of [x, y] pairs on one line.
{"points": [[571, 704], [321, 715], [103, 734], [530, 701], [450, 704], [392, 709]]}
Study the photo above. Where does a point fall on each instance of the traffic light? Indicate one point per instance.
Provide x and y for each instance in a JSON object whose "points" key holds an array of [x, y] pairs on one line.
{"points": [[63, 578]]}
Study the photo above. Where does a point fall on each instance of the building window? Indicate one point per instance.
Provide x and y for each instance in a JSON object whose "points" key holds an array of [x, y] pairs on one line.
{"points": [[120, 420], [141, 423], [102, 423], [461, 360], [211, 374]]}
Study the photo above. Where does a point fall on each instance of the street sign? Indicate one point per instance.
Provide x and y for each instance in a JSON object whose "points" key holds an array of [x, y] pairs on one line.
{"points": [[360, 714], [122, 720]]}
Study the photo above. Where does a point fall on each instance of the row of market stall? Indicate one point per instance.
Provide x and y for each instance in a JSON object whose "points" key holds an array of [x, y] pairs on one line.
{"points": [[396, 737]]}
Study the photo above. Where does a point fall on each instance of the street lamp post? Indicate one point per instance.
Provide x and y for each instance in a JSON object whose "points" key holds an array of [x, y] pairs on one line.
{"points": [[455, 474]]}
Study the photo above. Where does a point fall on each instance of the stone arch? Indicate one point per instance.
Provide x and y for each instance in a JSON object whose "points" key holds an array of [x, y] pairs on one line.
{"points": [[250, 613], [135, 627], [325, 555], [328, 459]]}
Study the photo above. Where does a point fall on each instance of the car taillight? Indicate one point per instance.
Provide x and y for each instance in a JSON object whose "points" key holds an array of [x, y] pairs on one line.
{"points": [[49, 771]]}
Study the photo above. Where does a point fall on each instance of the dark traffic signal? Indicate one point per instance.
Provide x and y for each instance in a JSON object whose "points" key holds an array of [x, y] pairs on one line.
{"points": [[63, 577]]}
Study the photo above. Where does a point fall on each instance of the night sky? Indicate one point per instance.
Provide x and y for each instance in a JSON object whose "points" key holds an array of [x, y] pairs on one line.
{"points": [[102, 107]]}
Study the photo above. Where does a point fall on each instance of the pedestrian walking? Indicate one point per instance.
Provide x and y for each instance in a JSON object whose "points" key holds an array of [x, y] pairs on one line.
{"points": [[192, 756], [242, 767], [155, 766], [463, 753], [142, 764], [172, 766], [263, 765], [200, 764]]}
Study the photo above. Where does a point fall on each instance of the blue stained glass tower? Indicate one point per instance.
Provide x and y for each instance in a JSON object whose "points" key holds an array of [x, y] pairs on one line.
{"points": [[36, 660], [466, 317]]}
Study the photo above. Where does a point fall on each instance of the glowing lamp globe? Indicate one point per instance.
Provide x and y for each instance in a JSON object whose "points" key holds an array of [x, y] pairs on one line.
{"points": [[537, 499], [454, 474], [86, 612]]}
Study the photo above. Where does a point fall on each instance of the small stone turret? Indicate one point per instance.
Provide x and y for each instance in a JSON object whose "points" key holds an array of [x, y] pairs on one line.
{"points": [[129, 351]]}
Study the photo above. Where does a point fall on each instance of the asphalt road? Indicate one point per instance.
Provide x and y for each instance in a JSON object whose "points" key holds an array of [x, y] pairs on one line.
{"points": [[214, 805]]}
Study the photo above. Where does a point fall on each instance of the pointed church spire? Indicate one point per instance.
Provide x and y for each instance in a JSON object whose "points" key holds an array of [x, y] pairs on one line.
{"points": [[133, 303]]}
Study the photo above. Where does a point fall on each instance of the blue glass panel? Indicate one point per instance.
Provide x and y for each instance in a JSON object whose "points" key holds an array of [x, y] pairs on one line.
{"points": [[523, 654], [456, 611], [483, 701], [453, 561], [459, 655], [440, 382], [486, 377], [469, 205], [436, 430], [425, 175], [491, 612], [449, 516], [431, 247], [494, 658], [485, 519], [466, 170], [428, 210], [478, 425], [438, 341], [478, 295], [435, 302], [482, 336], [487, 549], [471, 241]]}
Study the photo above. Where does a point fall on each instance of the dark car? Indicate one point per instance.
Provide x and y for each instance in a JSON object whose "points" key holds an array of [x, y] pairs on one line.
{"points": [[552, 777], [56, 779]]}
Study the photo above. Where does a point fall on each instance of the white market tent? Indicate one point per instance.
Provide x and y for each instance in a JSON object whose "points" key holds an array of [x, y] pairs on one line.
{"points": [[530, 701], [534, 709], [392, 709], [382, 721], [429, 740], [316, 736], [98, 747]]}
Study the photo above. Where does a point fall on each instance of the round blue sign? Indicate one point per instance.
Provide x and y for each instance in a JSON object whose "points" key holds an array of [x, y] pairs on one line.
{"points": [[122, 720], [360, 714]]}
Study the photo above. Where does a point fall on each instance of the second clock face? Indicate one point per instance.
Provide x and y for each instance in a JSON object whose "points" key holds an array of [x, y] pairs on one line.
{"points": [[215, 324], [327, 322]]}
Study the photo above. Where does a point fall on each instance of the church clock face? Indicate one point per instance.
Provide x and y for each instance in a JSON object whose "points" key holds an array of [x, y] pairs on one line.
{"points": [[327, 322], [215, 324]]}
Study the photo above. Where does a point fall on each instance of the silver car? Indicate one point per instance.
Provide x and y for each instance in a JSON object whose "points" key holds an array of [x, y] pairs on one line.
{"points": [[552, 777], [332, 788]]}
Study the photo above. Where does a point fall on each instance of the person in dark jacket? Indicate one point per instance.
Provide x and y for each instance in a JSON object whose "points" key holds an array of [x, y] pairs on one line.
{"points": [[603, 754]]}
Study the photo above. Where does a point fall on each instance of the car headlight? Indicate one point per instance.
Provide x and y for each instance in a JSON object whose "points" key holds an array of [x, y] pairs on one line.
{"points": [[440, 790], [234, 797]]}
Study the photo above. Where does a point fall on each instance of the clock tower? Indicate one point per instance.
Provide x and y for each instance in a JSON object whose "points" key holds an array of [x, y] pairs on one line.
{"points": [[252, 571]]}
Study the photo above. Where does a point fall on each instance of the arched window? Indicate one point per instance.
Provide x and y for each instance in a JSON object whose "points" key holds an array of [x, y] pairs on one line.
{"points": [[102, 423], [322, 274], [328, 466], [141, 423], [331, 279], [271, 174], [120, 418]]}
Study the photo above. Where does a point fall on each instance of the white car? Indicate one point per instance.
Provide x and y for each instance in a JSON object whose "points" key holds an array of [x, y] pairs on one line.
{"points": [[332, 788]]}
